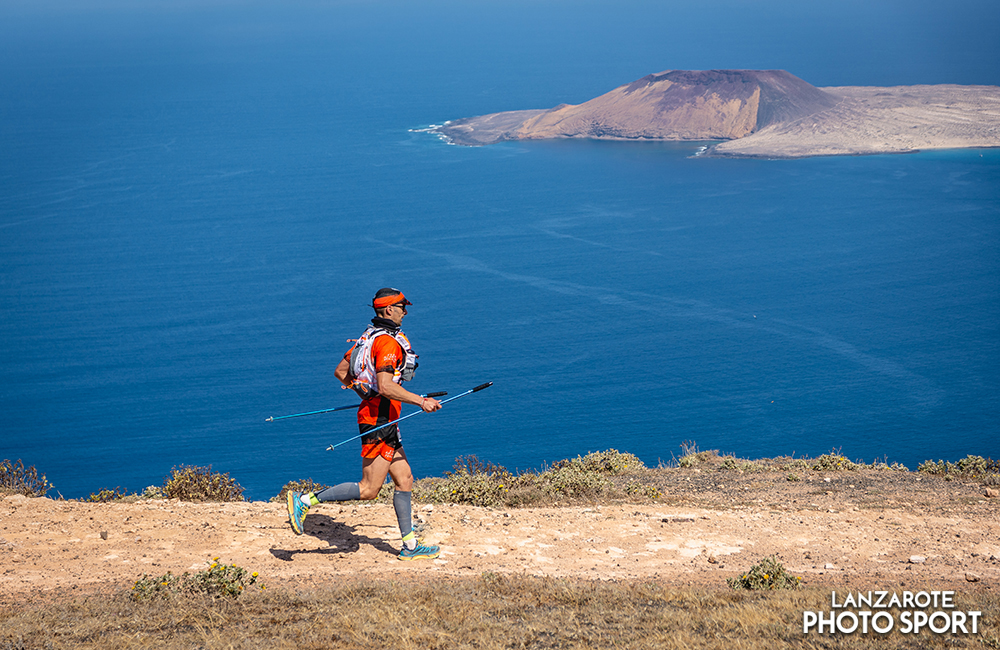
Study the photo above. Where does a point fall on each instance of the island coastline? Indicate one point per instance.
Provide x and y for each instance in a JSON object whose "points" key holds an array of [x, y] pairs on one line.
{"points": [[757, 114]]}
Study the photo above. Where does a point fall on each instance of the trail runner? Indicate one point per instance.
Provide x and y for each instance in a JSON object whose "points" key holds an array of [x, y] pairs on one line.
{"points": [[375, 368]]}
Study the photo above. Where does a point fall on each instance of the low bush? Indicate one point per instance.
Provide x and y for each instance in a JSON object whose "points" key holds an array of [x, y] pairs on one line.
{"points": [[766, 575], [691, 457], [611, 462], [742, 466], [473, 482], [15, 478], [478, 483], [190, 483], [305, 485], [105, 495], [218, 580], [786, 464], [885, 466], [574, 482], [636, 489], [834, 462], [975, 467]]}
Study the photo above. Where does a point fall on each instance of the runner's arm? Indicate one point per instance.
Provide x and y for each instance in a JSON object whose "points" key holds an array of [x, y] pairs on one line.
{"points": [[388, 388], [343, 368]]}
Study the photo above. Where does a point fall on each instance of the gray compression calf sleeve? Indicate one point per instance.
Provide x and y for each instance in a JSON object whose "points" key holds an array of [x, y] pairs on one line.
{"points": [[404, 513], [342, 492]]}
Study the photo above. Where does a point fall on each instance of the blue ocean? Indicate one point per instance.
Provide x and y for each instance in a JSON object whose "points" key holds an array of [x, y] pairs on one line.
{"points": [[198, 201]]}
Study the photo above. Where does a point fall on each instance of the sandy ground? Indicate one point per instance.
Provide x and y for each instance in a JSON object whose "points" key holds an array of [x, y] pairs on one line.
{"points": [[862, 528]]}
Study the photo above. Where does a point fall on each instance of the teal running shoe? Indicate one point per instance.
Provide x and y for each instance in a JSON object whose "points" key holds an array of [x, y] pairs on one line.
{"points": [[429, 552], [296, 512]]}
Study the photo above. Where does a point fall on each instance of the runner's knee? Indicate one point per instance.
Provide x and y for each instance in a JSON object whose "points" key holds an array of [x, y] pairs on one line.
{"points": [[369, 492]]}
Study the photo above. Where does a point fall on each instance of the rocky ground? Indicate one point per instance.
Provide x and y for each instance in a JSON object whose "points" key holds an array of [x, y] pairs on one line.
{"points": [[865, 528]]}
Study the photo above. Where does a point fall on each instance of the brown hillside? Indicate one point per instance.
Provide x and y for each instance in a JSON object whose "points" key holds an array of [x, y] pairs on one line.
{"points": [[671, 105]]}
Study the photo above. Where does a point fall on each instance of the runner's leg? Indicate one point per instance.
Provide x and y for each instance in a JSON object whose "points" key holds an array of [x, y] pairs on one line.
{"points": [[373, 473], [402, 478]]}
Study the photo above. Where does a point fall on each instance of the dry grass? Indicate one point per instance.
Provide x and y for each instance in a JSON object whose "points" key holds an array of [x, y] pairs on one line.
{"points": [[492, 611]]}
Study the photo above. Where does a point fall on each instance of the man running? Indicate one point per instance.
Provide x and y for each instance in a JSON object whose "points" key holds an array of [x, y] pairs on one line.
{"points": [[375, 368]]}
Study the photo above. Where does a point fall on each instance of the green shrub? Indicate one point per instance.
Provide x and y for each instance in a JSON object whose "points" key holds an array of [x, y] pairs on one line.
{"points": [[834, 462], [795, 464], [885, 465], [743, 466], [475, 483], [105, 495], [690, 456], [968, 467], [573, 481], [637, 489], [305, 486], [218, 580], [768, 574], [189, 483], [478, 483], [610, 462], [15, 478]]}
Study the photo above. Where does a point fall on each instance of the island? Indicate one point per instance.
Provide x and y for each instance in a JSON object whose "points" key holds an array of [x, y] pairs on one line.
{"points": [[757, 113]]}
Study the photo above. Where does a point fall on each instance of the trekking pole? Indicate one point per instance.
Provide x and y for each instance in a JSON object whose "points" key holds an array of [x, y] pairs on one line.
{"points": [[382, 426], [339, 408]]}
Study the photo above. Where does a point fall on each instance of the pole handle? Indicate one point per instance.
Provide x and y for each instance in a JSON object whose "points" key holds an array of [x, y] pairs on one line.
{"points": [[382, 426]]}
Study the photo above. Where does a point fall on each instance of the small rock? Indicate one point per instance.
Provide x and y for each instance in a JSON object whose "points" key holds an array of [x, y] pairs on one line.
{"points": [[991, 493], [428, 508], [712, 559], [830, 567], [917, 559], [971, 577], [104, 534]]}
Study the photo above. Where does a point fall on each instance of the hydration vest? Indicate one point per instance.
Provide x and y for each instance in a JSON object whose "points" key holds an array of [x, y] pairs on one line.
{"points": [[365, 382]]}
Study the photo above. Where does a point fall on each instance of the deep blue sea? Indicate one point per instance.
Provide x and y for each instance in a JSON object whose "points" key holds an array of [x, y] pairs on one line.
{"points": [[198, 200]]}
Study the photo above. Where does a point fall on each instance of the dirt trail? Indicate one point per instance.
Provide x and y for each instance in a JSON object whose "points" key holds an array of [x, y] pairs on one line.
{"points": [[859, 528]]}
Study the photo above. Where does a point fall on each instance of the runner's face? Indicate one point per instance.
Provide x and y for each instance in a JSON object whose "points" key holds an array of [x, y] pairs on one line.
{"points": [[396, 313]]}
